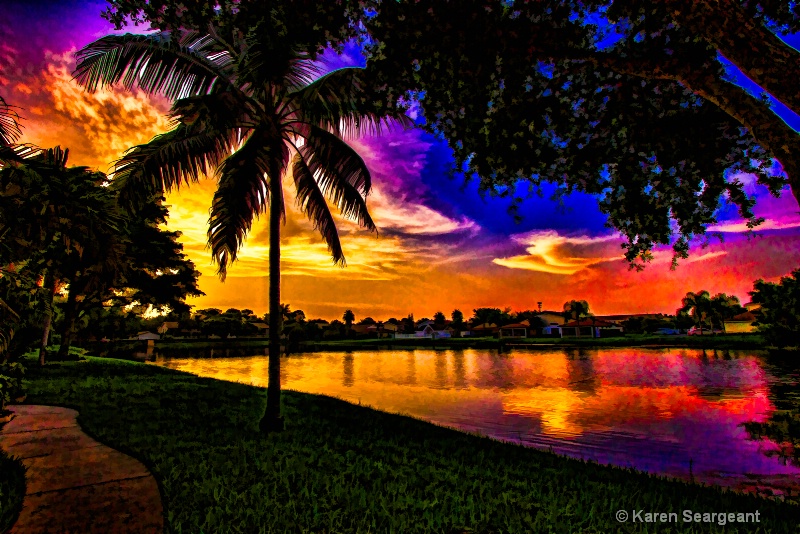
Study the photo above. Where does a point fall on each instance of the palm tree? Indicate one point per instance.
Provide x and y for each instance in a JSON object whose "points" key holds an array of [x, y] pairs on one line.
{"points": [[348, 319], [9, 124], [248, 110], [698, 306], [577, 309], [724, 307]]}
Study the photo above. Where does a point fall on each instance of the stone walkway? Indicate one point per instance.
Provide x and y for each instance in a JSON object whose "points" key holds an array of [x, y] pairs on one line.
{"points": [[74, 483]]}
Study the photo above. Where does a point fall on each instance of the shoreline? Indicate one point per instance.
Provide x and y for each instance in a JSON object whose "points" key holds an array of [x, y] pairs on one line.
{"points": [[719, 342], [347, 467]]}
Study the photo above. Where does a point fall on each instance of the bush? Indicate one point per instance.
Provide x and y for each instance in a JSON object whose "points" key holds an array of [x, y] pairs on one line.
{"points": [[780, 310], [10, 383], [12, 490]]}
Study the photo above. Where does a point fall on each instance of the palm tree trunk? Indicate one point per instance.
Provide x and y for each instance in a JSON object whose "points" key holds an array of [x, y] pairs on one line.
{"points": [[272, 420], [47, 320], [70, 314]]}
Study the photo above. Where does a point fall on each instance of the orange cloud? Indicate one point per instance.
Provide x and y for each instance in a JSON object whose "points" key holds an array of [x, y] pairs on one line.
{"points": [[97, 127], [549, 252]]}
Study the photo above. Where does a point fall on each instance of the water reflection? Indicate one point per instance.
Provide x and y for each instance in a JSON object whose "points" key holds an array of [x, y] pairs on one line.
{"points": [[657, 410], [347, 370]]}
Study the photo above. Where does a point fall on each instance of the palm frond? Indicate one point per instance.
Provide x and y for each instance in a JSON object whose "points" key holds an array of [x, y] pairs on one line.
{"points": [[337, 159], [339, 103], [311, 201], [183, 154], [276, 63], [175, 66], [340, 174], [17, 154], [243, 195], [219, 112], [9, 124]]}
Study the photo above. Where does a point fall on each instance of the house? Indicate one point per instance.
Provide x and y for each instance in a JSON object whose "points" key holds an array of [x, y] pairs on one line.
{"points": [[624, 317], [485, 329], [552, 330], [383, 330], [520, 329], [591, 327], [360, 329], [263, 329], [167, 326], [147, 336], [741, 324], [551, 317], [442, 334], [752, 307], [423, 332]]}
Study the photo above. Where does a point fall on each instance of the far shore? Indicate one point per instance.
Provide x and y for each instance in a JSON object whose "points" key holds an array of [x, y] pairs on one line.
{"points": [[710, 342]]}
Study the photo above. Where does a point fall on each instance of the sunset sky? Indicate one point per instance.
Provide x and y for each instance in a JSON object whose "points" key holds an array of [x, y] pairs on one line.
{"points": [[440, 245]]}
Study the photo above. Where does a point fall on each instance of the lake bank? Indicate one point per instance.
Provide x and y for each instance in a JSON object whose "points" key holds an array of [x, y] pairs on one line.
{"points": [[663, 411], [719, 342], [340, 467]]}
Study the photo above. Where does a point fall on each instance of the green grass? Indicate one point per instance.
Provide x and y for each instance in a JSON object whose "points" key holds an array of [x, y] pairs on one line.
{"points": [[345, 468], [12, 490], [210, 343]]}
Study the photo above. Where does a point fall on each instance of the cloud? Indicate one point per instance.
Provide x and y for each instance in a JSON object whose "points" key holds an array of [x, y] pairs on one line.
{"points": [[97, 127], [694, 258], [400, 202], [549, 252], [400, 215], [741, 227]]}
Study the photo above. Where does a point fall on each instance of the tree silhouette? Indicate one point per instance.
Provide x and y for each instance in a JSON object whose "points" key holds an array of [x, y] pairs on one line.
{"points": [[248, 108], [57, 220], [529, 92], [698, 306], [576, 309], [780, 309], [348, 317], [724, 307]]}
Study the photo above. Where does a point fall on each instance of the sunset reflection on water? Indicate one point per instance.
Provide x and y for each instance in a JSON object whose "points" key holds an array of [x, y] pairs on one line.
{"points": [[656, 410]]}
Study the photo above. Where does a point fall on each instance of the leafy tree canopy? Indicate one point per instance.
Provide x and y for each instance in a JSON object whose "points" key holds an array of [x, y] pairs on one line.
{"points": [[525, 92], [623, 99], [575, 310], [780, 309]]}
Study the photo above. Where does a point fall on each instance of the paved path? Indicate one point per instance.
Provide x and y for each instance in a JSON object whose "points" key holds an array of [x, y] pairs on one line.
{"points": [[74, 483]]}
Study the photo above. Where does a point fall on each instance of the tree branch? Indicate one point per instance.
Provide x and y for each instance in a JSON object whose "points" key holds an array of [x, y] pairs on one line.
{"points": [[758, 52]]}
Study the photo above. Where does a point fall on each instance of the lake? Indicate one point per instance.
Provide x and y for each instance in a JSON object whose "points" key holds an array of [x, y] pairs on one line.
{"points": [[675, 412]]}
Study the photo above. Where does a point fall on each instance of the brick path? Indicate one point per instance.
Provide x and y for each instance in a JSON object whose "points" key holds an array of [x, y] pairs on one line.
{"points": [[74, 483]]}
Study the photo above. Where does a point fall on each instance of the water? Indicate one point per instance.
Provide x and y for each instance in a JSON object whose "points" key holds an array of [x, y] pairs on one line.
{"points": [[673, 412]]}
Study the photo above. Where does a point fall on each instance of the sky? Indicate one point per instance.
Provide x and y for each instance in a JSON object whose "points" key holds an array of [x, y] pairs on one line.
{"points": [[440, 245]]}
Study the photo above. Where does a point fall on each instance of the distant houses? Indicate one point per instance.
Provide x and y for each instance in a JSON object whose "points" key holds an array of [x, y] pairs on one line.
{"points": [[427, 331], [741, 324], [529, 324], [147, 336], [520, 329], [591, 327], [262, 329]]}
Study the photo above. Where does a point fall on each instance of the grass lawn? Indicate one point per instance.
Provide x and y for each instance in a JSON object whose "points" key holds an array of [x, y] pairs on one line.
{"points": [[345, 468]]}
